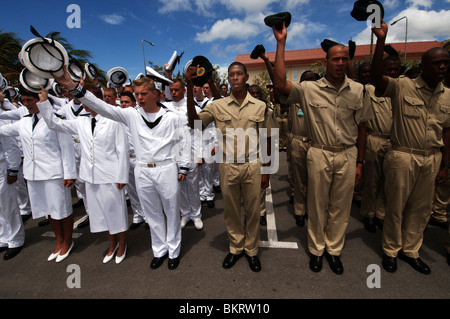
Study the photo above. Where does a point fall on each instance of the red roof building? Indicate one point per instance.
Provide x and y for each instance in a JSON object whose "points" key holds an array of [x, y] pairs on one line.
{"points": [[298, 61]]}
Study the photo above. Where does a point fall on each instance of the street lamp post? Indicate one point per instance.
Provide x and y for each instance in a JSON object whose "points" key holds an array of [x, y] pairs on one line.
{"points": [[143, 52], [406, 32]]}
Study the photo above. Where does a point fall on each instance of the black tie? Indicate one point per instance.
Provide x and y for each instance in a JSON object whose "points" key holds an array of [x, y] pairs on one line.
{"points": [[35, 120], [93, 124]]}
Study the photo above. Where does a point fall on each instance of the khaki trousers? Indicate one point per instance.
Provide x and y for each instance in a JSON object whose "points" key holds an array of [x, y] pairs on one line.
{"points": [[409, 189], [373, 203], [331, 180], [441, 201], [299, 173], [241, 181], [283, 125]]}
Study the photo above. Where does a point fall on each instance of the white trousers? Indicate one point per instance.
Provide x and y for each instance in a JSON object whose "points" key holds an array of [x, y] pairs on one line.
{"points": [[206, 174], [159, 193], [190, 205], [12, 233], [107, 208], [50, 198], [22, 193], [138, 216]]}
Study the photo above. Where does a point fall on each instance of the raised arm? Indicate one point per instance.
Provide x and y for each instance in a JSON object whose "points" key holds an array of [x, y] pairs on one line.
{"points": [[377, 77], [279, 71]]}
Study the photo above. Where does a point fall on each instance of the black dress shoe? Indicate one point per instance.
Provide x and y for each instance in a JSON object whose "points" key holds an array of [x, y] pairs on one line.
{"points": [[369, 225], [300, 220], [315, 263], [230, 260], [11, 252], [210, 203], [417, 264], [263, 220], [379, 222], [84, 223], [173, 263], [335, 263], [26, 217], [134, 226], [254, 263], [157, 261], [44, 222], [434, 222], [3, 248], [389, 263]]}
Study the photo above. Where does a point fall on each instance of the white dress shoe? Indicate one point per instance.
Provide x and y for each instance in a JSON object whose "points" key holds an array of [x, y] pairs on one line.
{"points": [[62, 257], [53, 256], [119, 259], [198, 224], [108, 258], [184, 223]]}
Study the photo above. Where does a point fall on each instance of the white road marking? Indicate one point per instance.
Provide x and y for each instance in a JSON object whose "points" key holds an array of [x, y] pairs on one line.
{"points": [[272, 235]]}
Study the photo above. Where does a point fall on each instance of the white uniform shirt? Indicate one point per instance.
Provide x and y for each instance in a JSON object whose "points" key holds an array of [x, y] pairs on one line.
{"points": [[151, 145], [104, 154], [47, 154]]}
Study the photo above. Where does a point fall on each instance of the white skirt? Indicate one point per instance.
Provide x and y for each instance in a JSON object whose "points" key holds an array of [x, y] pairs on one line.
{"points": [[107, 208], [50, 198]]}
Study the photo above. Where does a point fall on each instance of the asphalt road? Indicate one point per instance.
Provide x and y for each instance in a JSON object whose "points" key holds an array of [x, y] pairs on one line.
{"points": [[285, 273]]}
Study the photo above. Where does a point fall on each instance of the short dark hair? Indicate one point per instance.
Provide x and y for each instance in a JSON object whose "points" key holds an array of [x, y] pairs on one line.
{"points": [[238, 64], [25, 92], [129, 94]]}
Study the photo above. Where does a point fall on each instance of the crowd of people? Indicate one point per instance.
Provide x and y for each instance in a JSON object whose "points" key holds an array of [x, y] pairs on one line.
{"points": [[379, 137]]}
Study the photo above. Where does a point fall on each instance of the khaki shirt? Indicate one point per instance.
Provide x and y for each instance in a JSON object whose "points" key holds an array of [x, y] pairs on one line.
{"points": [[420, 113], [332, 115], [240, 123], [297, 123], [382, 109]]}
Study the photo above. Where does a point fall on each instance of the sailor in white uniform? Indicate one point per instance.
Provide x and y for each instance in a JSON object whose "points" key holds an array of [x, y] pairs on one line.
{"points": [[191, 206], [12, 233], [155, 139], [50, 170], [127, 99], [104, 168]]}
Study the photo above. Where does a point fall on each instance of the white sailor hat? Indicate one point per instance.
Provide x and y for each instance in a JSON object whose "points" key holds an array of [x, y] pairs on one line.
{"points": [[175, 58], [57, 88], [44, 56], [76, 71], [91, 71], [20, 58], [32, 82], [139, 76], [3, 82], [117, 76], [150, 73], [186, 67], [11, 93]]}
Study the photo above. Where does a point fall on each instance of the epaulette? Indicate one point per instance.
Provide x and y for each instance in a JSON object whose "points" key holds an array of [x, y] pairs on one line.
{"points": [[60, 116]]}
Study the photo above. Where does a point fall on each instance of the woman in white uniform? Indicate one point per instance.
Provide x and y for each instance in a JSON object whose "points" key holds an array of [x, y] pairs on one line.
{"points": [[50, 170], [104, 167]]}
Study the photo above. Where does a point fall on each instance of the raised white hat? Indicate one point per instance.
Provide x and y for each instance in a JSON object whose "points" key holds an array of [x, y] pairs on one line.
{"points": [[32, 82], [117, 76], [156, 76]]}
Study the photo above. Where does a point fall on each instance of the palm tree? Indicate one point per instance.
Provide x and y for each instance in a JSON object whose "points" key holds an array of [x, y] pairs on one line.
{"points": [[10, 46]]}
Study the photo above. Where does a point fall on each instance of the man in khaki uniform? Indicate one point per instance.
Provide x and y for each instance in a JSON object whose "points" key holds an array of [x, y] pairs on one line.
{"points": [[235, 117], [334, 112], [373, 203], [421, 110]]}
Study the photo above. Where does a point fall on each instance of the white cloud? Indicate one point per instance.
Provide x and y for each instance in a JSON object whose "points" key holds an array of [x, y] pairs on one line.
{"points": [[422, 26], [228, 28], [247, 6], [421, 3], [174, 5], [114, 18]]}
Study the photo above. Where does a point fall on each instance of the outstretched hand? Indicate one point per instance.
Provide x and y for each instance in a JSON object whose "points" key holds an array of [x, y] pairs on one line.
{"points": [[381, 32], [280, 35]]}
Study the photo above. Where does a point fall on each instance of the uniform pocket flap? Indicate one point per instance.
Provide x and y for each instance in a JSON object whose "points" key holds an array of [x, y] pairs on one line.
{"points": [[256, 118], [223, 118], [414, 101]]}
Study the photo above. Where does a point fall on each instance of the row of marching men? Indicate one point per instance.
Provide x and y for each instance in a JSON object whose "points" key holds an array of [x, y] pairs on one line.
{"points": [[62, 143]]}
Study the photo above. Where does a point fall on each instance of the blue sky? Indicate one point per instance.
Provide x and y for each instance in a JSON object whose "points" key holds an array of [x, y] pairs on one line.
{"points": [[218, 29]]}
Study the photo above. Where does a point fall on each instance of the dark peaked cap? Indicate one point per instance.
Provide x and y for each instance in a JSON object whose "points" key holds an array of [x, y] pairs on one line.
{"points": [[276, 20], [359, 11]]}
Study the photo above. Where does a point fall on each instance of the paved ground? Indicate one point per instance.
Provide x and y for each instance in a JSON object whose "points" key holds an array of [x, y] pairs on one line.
{"points": [[285, 274]]}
